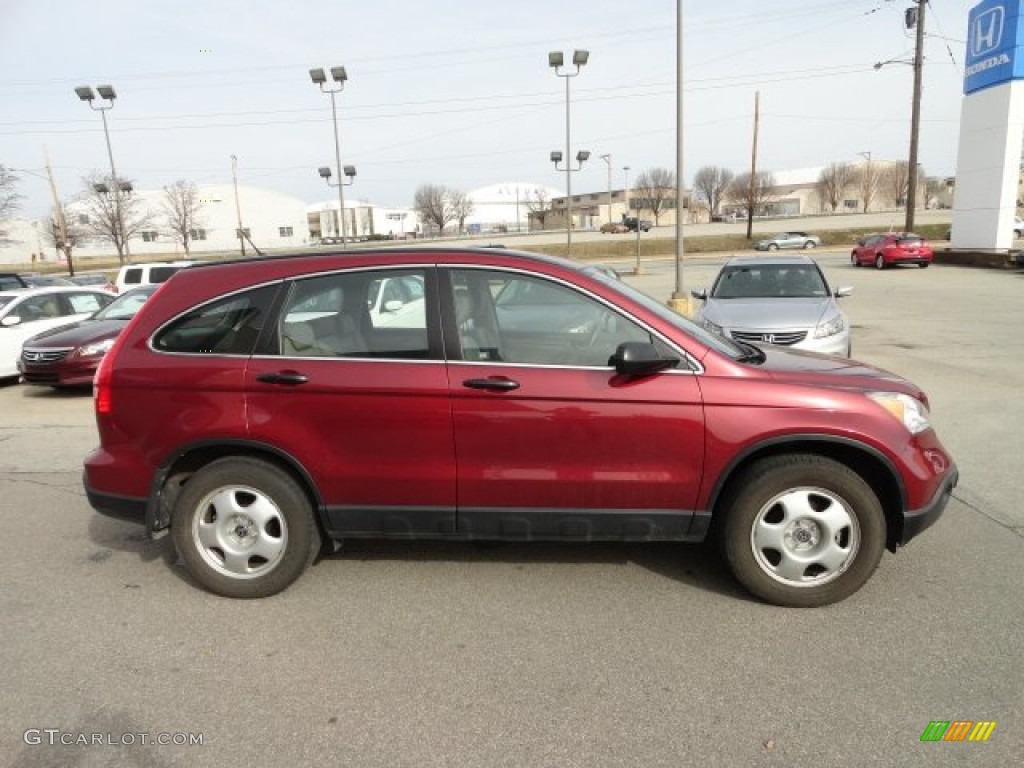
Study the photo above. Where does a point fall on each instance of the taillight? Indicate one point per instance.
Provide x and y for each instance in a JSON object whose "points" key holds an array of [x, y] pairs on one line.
{"points": [[101, 389]]}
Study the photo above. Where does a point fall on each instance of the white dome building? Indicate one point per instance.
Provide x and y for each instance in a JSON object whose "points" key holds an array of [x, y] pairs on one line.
{"points": [[506, 207]]}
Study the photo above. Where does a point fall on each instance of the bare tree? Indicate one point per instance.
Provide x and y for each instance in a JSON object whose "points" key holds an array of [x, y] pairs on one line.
{"points": [[102, 210], [10, 200], [181, 211], [752, 191], [867, 184], [461, 206], [655, 190], [538, 202], [833, 182], [895, 181], [53, 236], [933, 187], [710, 185], [431, 202]]}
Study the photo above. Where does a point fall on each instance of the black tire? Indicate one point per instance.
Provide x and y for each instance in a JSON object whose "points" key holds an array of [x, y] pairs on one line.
{"points": [[808, 245], [923, 265], [879, 261], [820, 511], [267, 542], [772, 247], [854, 261]]}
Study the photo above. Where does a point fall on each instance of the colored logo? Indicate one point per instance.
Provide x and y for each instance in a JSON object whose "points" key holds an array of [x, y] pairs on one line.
{"points": [[987, 30], [958, 730]]}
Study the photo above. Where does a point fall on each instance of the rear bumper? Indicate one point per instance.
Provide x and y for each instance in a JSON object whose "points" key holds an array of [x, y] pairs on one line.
{"points": [[917, 520], [127, 508]]}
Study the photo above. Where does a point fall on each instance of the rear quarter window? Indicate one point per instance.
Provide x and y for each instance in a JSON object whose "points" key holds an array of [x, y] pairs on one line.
{"points": [[228, 326], [161, 274]]}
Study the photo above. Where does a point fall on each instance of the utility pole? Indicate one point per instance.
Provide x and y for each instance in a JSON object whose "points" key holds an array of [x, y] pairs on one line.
{"points": [[753, 167], [915, 117], [238, 206], [58, 210]]}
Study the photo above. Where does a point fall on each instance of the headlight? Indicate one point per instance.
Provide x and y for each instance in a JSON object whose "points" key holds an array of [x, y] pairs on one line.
{"points": [[911, 412], [836, 325], [708, 325], [95, 349]]}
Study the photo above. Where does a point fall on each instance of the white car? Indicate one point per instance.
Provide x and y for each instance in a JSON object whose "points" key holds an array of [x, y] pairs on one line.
{"points": [[133, 275], [26, 312]]}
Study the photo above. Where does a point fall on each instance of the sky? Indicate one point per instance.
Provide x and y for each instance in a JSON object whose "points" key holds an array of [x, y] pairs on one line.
{"points": [[459, 92]]}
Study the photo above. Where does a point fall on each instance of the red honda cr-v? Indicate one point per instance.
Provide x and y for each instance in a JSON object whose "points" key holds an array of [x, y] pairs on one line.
{"points": [[259, 408]]}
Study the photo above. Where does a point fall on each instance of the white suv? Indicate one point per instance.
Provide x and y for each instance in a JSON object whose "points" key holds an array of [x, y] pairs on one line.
{"points": [[134, 275]]}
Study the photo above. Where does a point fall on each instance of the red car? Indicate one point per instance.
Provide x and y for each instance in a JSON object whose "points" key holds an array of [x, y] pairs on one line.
{"points": [[68, 356], [258, 408], [892, 248]]}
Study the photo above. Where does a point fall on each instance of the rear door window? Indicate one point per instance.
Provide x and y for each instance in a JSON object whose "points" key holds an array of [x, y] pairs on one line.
{"points": [[366, 314], [229, 326]]}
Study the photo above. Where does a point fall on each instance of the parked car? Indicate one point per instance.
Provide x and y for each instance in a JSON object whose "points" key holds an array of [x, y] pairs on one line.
{"points": [[638, 426], [133, 275], [36, 280], [614, 228], [788, 240], [783, 300], [68, 356], [12, 281], [631, 223], [94, 278], [890, 248], [27, 311]]}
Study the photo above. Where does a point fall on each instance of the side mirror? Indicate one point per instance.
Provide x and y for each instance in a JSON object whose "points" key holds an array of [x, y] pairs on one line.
{"points": [[640, 358], [701, 294], [843, 290], [393, 305], [10, 320], [861, 241]]}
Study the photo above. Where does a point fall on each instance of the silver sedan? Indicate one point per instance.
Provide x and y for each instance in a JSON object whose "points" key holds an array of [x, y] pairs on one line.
{"points": [[781, 300], [788, 240]]}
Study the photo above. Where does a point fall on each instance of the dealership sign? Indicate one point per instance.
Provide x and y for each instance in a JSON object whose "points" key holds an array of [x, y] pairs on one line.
{"points": [[993, 40]]}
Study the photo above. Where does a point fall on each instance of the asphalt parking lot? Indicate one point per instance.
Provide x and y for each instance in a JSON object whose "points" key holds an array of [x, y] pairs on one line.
{"points": [[443, 654]]}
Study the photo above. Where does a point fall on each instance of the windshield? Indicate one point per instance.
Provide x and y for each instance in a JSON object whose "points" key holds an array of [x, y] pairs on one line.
{"points": [[770, 281], [716, 342], [125, 306], [5, 300]]}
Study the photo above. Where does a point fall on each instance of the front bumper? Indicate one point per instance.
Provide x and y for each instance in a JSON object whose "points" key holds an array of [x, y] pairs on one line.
{"points": [[63, 374], [917, 520]]}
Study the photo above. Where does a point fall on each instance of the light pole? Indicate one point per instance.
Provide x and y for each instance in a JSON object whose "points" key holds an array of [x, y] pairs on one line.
{"points": [[106, 92], [608, 161], [679, 301], [636, 269], [556, 61], [339, 76], [581, 157], [349, 172]]}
